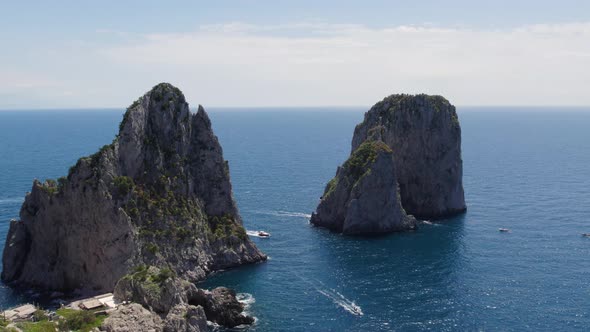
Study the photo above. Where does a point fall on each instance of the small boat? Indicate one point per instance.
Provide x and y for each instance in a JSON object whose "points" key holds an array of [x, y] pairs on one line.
{"points": [[263, 234], [356, 310], [504, 230], [586, 234]]}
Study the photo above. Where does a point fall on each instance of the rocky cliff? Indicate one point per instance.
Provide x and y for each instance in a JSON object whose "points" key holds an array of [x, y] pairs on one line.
{"points": [[406, 158], [363, 198], [425, 135], [158, 195]]}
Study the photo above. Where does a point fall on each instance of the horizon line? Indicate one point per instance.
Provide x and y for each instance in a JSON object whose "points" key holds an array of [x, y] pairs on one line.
{"points": [[271, 108]]}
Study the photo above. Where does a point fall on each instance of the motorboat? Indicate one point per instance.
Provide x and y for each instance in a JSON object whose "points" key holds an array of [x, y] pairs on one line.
{"points": [[504, 230], [263, 234]]}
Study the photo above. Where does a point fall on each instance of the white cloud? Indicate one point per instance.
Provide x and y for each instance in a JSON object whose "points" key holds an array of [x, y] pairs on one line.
{"points": [[239, 64]]}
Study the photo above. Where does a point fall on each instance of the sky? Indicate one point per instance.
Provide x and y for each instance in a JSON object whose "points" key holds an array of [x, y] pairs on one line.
{"points": [[222, 53]]}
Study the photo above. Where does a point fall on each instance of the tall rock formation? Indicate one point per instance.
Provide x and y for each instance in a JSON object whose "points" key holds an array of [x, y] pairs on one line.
{"points": [[363, 197], [406, 158], [425, 135], [158, 195]]}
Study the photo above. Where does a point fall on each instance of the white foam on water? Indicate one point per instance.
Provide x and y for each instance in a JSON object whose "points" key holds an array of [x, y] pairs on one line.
{"points": [[256, 234], [246, 299], [430, 223], [283, 214], [12, 200], [333, 295], [294, 214], [342, 301]]}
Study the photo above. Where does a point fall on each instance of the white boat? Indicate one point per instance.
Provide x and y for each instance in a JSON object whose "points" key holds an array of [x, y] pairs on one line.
{"points": [[263, 234], [504, 230]]}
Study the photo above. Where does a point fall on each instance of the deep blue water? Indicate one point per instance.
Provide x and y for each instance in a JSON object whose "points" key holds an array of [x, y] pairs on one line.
{"points": [[525, 170]]}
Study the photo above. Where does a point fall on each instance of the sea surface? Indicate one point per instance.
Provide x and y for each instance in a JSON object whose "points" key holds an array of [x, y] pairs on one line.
{"points": [[524, 169]]}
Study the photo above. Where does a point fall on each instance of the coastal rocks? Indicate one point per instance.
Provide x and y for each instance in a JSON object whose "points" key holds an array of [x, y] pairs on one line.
{"points": [[222, 307], [424, 133], [155, 289], [158, 195], [363, 198], [186, 318], [132, 318], [161, 292]]}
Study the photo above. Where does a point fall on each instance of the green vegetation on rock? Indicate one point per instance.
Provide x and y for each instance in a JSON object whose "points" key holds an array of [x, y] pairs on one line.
{"points": [[126, 115], [69, 320], [50, 187], [123, 184], [362, 157], [357, 165], [223, 227], [145, 274], [79, 320]]}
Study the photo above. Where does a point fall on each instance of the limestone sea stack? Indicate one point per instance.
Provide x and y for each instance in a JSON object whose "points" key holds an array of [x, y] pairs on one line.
{"points": [[158, 195], [405, 162], [424, 133], [363, 197]]}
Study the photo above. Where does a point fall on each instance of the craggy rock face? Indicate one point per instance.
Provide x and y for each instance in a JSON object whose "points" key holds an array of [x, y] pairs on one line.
{"points": [[159, 195], [425, 136], [186, 318], [160, 292], [363, 198], [131, 318]]}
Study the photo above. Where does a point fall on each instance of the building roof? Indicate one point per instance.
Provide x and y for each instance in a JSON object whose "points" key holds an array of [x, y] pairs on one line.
{"points": [[91, 304]]}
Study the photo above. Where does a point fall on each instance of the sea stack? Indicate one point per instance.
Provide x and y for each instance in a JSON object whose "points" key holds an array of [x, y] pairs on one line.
{"points": [[158, 195], [363, 197], [425, 135], [422, 136]]}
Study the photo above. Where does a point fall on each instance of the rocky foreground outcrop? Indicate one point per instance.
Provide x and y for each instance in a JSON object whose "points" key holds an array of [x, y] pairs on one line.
{"points": [[158, 195], [132, 317], [417, 140], [363, 198], [163, 302]]}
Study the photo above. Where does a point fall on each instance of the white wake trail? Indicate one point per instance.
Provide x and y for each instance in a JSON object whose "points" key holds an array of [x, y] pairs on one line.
{"points": [[284, 214], [342, 301]]}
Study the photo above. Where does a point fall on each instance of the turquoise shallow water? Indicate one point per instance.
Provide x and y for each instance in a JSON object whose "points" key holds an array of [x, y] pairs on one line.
{"points": [[528, 171]]}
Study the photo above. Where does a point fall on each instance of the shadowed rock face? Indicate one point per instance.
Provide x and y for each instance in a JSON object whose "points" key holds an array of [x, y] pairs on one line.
{"points": [[159, 195], [425, 136], [363, 198]]}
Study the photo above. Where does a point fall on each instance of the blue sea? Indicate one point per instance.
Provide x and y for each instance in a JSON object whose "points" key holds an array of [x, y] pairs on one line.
{"points": [[525, 169]]}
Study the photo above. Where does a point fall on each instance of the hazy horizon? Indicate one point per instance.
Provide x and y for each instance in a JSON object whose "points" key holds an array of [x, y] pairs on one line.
{"points": [[460, 108]]}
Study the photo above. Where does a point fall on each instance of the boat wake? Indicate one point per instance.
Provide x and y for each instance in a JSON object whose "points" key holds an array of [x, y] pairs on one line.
{"points": [[284, 214], [430, 223], [333, 295], [11, 200], [256, 234], [342, 301]]}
